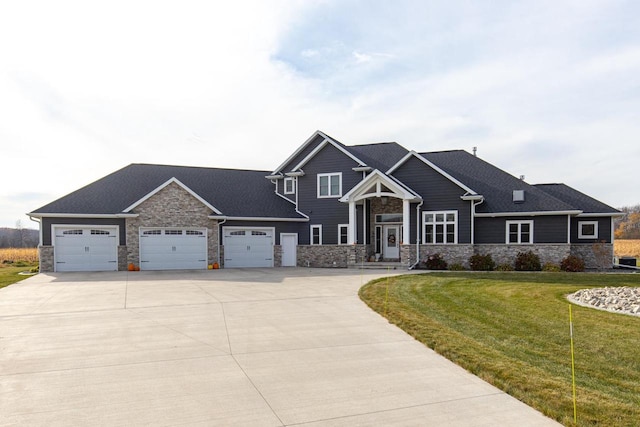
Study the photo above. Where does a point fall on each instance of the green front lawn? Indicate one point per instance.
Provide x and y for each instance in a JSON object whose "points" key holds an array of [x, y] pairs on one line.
{"points": [[9, 275], [512, 330]]}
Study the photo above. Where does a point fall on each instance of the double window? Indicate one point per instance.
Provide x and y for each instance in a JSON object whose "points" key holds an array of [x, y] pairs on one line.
{"points": [[440, 227], [329, 184], [519, 232]]}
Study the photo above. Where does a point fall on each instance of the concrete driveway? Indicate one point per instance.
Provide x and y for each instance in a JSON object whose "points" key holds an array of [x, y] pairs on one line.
{"points": [[256, 347]]}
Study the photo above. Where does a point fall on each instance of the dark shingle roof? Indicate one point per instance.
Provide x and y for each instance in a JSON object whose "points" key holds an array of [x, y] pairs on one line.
{"points": [[577, 199], [380, 155], [494, 184], [234, 192]]}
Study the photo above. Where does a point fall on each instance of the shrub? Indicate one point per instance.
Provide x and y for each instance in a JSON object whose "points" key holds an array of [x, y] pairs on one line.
{"points": [[479, 262], [549, 266], [527, 261], [504, 267], [435, 262], [457, 267], [572, 264]]}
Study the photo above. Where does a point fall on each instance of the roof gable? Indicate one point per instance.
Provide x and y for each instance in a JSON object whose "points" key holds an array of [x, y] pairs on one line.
{"points": [[323, 144], [380, 183], [173, 180]]}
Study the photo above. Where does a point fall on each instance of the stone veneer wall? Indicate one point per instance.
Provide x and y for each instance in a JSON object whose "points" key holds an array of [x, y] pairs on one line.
{"points": [[172, 206], [453, 254], [45, 255], [277, 256], [506, 254], [330, 255], [597, 255], [122, 258], [393, 205]]}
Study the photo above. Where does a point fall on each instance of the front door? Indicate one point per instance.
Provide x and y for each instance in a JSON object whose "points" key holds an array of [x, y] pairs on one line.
{"points": [[288, 242], [391, 246]]}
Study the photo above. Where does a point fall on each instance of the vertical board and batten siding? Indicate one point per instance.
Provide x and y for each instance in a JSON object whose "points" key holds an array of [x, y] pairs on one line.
{"points": [[604, 229], [327, 211], [280, 227], [438, 193], [48, 222], [546, 229]]}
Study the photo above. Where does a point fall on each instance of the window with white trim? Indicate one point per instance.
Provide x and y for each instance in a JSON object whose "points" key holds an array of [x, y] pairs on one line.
{"points": [[289, 186], [587, 229], [440, 227], [343, 234], [330, 184], [519, 232], [316, 235]]}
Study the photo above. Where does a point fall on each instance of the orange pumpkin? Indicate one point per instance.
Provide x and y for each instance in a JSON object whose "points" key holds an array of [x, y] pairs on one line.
{"points": [[131, 267], [216, 266]]}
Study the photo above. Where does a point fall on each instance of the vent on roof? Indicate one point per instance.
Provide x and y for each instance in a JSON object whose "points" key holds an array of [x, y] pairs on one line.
{"points": [[518, 196]]}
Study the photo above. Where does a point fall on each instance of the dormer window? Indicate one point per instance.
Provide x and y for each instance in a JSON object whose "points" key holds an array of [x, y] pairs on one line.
{"points": [[289, 186]]}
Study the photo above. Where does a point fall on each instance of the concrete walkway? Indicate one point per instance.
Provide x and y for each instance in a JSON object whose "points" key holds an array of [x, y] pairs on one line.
{"points": [[255, 347]]}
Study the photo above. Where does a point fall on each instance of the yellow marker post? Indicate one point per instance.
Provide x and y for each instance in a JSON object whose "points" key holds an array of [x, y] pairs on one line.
{"points": [[573, 369]]}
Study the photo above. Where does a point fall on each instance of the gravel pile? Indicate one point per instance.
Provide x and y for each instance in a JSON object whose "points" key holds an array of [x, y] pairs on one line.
{"points": [[625, 300]]}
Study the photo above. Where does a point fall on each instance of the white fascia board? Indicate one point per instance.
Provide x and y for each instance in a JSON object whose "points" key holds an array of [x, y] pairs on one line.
{"points": [[474, 197], [70, 215], [539, 213], [432, 166], [184, 187], [592, 214], [298, 173], [299, 150], [256, 218], [323, 144], [276, 176], [362, 169], [376, 175]]}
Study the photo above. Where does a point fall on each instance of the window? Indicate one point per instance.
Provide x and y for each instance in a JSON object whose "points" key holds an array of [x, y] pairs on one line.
{"points": [[316, 235], [100, 232], [67, 232], [330, 184], [173, 232], [519, 232], [237, 233], [343, 234], [440, 227], [587, 229], [389, 217], [258, 233], [289, 186], [378, 239], [151, 232], [194, 233]]}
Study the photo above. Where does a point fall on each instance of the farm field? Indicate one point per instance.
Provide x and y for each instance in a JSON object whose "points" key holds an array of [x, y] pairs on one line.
{"points": [[14, 261], [626, 248], [15, 255]]}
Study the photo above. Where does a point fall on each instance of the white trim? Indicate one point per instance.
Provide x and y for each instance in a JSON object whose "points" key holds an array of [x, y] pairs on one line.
{"points": [[323, 144], [581, 235], [311, 228], [340, 226], [539, 213], [256, 218], [377, 178], [329, 175], [293, 186], [277, 176], [83, 226], [362, 169], [569, 229], [298, 173], [519, 223], [300, 149], [236, 227], [444, 230], [431, 165], [612, 214], [66, 215], [184, 187]]}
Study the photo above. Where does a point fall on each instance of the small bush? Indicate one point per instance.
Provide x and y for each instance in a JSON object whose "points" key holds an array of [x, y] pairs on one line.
{"points": [[549, 266], [457, 267], [528, 261], [572, 264], [479, 262], [435, 262], [504, 267]]}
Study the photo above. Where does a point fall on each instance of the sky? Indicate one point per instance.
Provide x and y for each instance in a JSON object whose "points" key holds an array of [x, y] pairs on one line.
{"points": [[545, 89]]}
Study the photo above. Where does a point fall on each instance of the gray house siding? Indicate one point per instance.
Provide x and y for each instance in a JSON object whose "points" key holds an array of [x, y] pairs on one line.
{"points": [[438, 193], [304, 153], [604, 229], [327, 211], [280, 189], [280, 227], [48, 222], [546, 229]]}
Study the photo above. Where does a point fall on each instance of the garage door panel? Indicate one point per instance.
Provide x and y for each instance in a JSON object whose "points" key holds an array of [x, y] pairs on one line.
{"points": [[86, 248], [248, 248], [173, 249]]}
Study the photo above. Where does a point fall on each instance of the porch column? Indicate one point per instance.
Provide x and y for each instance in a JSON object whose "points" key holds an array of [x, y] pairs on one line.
{"points": [[352, 223], [405, 222]]}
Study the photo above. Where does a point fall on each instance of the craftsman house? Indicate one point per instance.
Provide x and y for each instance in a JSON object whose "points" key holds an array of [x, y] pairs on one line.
{"points": [[326, 205]]}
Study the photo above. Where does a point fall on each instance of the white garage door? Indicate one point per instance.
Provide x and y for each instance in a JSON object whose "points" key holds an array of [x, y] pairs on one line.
{"points": [[248, 247], [173, 249], [86, 248]]}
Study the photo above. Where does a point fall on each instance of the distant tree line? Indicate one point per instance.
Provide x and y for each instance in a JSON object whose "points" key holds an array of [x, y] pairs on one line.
{"points": [[18, 238], [628, 226]]}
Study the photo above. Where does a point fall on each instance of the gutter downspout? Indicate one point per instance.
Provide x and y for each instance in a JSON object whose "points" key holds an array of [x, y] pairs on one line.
{"points": [[417, 235], [40, 229], [473, 219]]}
